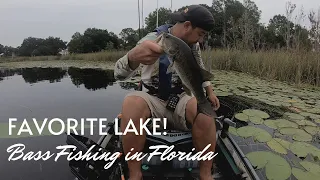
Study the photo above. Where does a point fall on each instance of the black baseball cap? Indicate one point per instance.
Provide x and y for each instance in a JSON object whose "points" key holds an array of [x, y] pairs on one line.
{"points": [[198, 15]]}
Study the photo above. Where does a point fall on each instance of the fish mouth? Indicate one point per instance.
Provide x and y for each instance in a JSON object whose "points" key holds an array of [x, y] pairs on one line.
{"points": [[158, 39], [167, 48]]}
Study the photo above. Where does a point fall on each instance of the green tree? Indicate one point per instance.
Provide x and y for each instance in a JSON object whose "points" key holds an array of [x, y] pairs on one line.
{"points": [[9, 51], [1, 48], [278, 30], [80, 44], [99, 37], [129, 37], [114, 39], [29, 45], [93, 40], [33, 46], [314, 32], [301, 38], [54, 45], [151, 19]]}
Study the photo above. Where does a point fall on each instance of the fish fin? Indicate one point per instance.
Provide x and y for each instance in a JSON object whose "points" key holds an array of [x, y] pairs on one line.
{"points": [[206, 108], [170, 68], [207, 76], [186, 89]]}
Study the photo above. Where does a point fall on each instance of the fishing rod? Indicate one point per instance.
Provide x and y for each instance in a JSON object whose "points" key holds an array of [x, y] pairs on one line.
{"points": [[157, 13], [139, 18]]}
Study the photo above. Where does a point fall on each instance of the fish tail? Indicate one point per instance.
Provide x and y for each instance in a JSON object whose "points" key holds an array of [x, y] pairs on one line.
{"points": [[205, 108]]}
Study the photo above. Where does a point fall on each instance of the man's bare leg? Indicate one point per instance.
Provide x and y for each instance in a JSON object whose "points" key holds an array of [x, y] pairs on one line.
{"points": [[134, 108], [203, 133]]}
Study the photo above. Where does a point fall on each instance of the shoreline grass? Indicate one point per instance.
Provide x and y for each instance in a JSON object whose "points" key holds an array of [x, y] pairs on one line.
{"points": [[111, 56], [297, 68]]}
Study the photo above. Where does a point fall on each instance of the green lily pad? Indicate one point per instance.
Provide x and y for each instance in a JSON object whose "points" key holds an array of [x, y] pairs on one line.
{"points": [[246, 131], [242, 117], [257, 113], [302, 149], [312, 116], [294, 116], [276, 167], [233, 131], [281, 123], [258, 134], [311, 167], [302, 137], [286, 104], [309, 123], [270, 124], [311, 130], [224, 94], [305, 123], [284, 143], [262, 136], [290, 131], [259, 159], [303, 175], [276, 146], [298, 134], [256, 120], [305, 114]]}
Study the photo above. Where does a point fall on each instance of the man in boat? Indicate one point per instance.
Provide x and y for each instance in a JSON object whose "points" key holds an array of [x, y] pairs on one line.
{"points": [[192, 25]]}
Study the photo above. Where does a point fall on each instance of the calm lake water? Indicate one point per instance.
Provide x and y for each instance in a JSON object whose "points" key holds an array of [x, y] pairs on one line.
{"points": [[71, 93], [52, 93]]}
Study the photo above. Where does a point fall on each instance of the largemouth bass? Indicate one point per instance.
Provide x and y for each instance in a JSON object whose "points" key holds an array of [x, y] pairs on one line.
{"points": [[188, 70]]}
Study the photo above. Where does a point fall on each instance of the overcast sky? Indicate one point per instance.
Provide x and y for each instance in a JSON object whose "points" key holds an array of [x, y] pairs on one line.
{"points": [[62, 18]]}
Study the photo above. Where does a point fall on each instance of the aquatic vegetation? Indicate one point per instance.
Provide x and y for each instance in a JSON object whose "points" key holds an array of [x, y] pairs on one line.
{"points": [[282, 118], [298, 134], [256, 113], [242, 117], [258, 134], [276, 146], [276, 167], [302, 149]]}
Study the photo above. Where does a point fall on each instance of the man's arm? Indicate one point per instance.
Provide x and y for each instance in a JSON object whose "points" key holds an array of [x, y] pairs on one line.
{"points": [[123, 69], [197, 54], [128, 65], [207, 84]]}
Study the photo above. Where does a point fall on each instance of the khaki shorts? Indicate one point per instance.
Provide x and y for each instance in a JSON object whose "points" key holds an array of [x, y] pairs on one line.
{"points": [[176, 120]]}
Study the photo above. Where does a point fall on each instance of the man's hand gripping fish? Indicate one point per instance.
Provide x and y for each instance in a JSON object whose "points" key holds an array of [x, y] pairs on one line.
{"points": [[187, 68]]}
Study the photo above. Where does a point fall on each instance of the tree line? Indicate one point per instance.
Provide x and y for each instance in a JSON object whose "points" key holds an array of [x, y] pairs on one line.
{"points": [[238, 26]]}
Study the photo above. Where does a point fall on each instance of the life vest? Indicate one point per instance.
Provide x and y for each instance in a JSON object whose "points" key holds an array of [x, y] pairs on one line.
{"points": [[165, 80], [164, 87]]}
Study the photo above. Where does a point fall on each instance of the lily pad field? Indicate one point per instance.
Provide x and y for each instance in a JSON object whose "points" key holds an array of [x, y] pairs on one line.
{"points": [[277, 123]]}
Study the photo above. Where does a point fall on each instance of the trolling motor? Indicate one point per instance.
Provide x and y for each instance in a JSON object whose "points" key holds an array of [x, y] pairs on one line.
{"points": [[223, 124]]}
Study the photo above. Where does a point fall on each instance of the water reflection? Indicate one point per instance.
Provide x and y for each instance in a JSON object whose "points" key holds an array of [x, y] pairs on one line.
{"points": [[7, 73], [41, 93], [92, 79], [34, 75]]}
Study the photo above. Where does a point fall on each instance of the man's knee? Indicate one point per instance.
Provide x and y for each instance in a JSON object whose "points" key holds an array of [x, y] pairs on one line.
{"points": [[136, 107], [202, 121], [191, 110]]}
